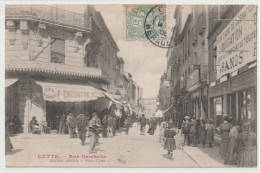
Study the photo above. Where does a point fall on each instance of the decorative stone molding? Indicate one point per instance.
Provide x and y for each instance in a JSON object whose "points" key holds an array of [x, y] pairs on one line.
{"points": [[12, 41], [25, 45]]}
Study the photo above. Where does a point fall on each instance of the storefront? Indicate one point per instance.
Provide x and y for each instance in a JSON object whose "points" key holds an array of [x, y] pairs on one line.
{"points": [[232, 59], [47, 101], [236, 97]]}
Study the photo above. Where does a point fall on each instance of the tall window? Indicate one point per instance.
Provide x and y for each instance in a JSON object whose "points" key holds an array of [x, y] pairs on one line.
{"points": [[215, 59], [57, 51], [189, 42]]}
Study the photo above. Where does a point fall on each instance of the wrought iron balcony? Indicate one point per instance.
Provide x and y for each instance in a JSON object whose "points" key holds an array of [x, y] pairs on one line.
{"points": [[46, 13]]}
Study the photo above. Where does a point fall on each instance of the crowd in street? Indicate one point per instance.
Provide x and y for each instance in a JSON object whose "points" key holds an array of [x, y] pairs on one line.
{"points": [[238, 141], [237, 147], [105, 123]]}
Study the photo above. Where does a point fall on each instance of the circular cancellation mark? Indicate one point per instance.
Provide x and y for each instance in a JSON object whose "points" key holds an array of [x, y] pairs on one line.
{"points": [[155, 27]]}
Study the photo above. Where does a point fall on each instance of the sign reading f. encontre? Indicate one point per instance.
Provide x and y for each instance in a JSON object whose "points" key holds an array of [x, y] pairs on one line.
{"points": [[236, 44]]}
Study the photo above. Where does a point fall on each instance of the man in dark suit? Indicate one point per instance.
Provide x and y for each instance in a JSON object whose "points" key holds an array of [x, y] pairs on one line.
{"points": [[82, 127], [93, 131], [143, 123]]}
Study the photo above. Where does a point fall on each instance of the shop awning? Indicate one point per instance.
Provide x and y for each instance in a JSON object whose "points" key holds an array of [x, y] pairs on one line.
{"points": [[69, 92], [102, 103], [9, 82], [111, 98], [158, 114]]}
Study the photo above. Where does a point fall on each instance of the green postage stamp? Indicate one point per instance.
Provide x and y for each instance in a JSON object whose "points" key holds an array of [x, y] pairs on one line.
{"points": [[137, 18]]}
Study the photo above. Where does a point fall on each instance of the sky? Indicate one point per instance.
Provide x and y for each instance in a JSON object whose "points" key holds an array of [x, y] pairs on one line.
{"points": [[143, 60]]}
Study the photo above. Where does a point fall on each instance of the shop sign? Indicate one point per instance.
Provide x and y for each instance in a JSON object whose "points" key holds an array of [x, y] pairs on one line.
{"points": [[236, 44], [69, 93], [244, 81]]}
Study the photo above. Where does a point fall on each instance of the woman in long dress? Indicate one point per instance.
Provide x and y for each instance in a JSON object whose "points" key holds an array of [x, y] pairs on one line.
{"points": [[210, 128], [224, 130], [170, 143], [203, 133], [247, 147], [8, 144], [231, 156]]}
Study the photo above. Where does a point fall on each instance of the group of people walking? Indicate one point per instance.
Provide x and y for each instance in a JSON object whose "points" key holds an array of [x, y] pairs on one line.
{"points": [[196, 131], [84, 126], [238, 143]]}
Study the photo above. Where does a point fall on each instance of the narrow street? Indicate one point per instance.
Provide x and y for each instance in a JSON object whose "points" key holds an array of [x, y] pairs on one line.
{"points": [[123, 150]]}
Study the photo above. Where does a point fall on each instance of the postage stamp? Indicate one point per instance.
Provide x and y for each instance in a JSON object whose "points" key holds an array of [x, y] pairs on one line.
{"points": [[135, 20]]}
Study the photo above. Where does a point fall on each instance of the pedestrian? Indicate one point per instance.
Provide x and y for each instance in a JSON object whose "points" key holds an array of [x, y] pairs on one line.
{"points": [[170, 144], [68, 121], [62, 124], [149, 125], [128, 122], [203, 133], [73, 126], [82, 125], [162, 130], [34, 126], [104, 124], [198, 131], [8, 144], [224, 130], [114, 125], [232, 151], [110, 126], [193, 132], [210, 128], [152, 126], [94, 129], [186, 130], [247, 141], [142, 123]]}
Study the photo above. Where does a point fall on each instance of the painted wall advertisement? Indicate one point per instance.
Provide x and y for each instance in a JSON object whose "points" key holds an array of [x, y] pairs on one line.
{"points": [[236, 44]]}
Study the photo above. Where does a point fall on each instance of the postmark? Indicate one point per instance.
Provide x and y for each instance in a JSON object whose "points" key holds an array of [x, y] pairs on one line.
{"points": [[155, 27]]}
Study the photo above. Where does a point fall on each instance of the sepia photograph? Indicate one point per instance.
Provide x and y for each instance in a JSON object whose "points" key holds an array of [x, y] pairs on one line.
{"points": [[130, 85]]}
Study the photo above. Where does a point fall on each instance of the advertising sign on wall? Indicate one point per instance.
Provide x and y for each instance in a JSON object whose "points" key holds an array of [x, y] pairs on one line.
{"points": [[236, 44]]}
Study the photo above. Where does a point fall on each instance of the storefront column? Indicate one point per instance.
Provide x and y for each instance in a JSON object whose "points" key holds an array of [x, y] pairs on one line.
{"points": [[225, 104], [237, 107], [26, 118]]}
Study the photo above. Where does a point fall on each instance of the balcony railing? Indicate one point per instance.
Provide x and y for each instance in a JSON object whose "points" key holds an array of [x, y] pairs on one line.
{"points": [[46, 13], [51, 68]]}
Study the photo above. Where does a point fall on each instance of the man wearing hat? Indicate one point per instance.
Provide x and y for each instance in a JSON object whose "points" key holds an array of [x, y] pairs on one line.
{"points": [[94, 125], [73, 126], [82, 127], [143, 123], [186, 130]]}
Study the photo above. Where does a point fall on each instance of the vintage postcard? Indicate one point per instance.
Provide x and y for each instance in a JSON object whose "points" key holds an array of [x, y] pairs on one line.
{"points": [[126, 85]]}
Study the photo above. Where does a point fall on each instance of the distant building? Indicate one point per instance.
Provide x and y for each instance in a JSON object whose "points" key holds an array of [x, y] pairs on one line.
{"points": [[149, 106]]}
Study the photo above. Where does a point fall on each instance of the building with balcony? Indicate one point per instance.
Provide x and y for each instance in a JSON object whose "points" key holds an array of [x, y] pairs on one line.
{"points": [[56, 61], [186, 73], [232, 62]]}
